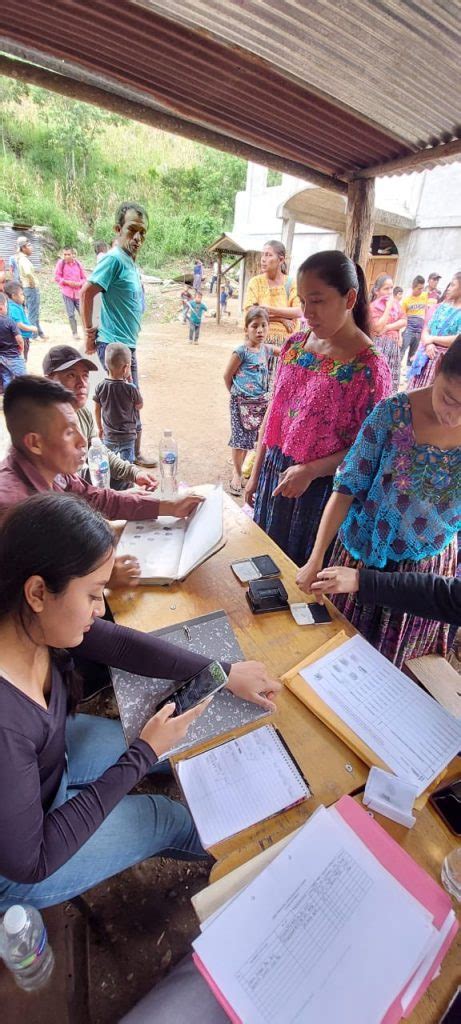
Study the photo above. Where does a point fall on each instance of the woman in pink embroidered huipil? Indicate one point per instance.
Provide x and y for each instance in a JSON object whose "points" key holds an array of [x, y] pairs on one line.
{"points": [[387, 320], [329, 379]]}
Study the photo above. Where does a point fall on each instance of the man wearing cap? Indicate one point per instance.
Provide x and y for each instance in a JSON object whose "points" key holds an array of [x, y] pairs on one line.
{"points": [[29, 280], [66, 365], [433, 293]]}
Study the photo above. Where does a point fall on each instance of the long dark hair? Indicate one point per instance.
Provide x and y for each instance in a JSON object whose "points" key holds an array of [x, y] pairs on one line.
{"points": [[338, 271], [376, 287], [55, 536], [450, 363]]}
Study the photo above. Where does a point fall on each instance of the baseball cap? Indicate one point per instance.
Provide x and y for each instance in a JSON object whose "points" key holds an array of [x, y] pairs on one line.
{"points": [[22, 240], [438, 276], [62, 357]]}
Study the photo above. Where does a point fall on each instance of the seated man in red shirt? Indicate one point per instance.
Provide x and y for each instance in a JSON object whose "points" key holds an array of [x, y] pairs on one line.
{"points": [[48, 449]]}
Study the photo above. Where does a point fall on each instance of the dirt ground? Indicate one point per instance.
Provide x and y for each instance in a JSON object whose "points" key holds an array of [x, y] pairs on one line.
{"points": [[145, 913]]}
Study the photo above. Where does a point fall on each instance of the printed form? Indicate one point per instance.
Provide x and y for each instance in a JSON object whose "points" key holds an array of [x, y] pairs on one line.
{"points": [[293, 945], [413, 734], [239, 783]]}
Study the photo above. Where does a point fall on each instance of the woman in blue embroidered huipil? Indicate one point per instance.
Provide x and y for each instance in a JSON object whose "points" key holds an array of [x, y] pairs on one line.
{"points": [[397, 505], [438, 334]]}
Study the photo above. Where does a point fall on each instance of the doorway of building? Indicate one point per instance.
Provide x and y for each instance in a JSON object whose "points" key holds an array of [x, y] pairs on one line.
{"points": [[383, 259]]}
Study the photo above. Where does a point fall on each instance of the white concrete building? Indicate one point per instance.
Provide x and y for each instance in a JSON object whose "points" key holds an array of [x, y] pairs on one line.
{"points": [[420, 213]]}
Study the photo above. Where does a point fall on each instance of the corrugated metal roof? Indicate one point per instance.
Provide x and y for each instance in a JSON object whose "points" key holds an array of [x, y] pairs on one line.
{"points": [[8, 244], [397, 63], [335, 89]]}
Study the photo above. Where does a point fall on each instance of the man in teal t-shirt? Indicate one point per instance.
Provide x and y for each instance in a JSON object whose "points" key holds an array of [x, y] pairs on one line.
{"points": [[117, 278]]}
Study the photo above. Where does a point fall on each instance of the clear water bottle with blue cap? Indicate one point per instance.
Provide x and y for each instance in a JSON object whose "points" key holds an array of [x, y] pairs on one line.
{"points": [[25, 948], [168, 460], [98, 463]]}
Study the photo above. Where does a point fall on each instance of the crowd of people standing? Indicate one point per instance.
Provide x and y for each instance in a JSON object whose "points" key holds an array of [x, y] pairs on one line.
{"points": [[356, 475]]}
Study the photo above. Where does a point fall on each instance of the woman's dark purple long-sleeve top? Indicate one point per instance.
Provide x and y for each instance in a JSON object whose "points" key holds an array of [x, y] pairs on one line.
{"points": [[34, 841]]}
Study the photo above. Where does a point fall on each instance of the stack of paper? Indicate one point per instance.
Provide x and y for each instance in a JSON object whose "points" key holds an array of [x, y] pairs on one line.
{"points": [[239, 783], [168, 549], [402, 727], [341, 925]]}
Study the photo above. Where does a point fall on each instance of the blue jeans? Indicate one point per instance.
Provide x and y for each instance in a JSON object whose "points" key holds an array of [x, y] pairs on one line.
{"points": [[101, 350], [32, 297], [72, 306], [11, 366], [125, 450], [139, 826], [194, 332]]}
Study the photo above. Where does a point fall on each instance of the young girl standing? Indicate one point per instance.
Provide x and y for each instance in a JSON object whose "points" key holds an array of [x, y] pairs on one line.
{"points": [[246, 377], [397, 502], [329, 378]]}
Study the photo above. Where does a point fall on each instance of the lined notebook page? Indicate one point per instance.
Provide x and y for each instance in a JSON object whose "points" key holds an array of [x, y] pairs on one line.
{"points": [[240, 783]]}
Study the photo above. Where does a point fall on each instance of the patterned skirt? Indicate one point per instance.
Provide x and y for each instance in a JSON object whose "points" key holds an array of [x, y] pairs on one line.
{"points": [[427, 375], [240, 438], [388, 346], [291, 522], [398, 635]]}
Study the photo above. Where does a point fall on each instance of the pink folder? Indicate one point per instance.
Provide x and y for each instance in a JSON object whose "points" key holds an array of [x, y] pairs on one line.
{"points": [[410, 875]]}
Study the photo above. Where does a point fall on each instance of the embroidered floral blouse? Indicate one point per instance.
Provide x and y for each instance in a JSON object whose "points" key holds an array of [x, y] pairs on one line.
{"points": [[407, 496], [319, 404]]}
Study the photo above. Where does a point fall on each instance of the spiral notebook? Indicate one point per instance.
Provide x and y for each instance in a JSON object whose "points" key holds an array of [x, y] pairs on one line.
{"points": [[240, 783]]}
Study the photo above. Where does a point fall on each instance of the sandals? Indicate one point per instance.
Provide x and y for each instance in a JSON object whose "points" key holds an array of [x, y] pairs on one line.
{"points": [[236, 491]]}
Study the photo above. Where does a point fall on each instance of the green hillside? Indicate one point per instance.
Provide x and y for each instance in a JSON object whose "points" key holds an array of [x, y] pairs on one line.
{"points": [[67, 165]]}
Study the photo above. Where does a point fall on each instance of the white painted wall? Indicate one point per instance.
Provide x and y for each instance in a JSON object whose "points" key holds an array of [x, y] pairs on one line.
{"points": [[433, 198]]}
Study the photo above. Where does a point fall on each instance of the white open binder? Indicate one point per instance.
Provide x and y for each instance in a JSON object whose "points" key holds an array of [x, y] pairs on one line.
{"points": [[168, 549]]}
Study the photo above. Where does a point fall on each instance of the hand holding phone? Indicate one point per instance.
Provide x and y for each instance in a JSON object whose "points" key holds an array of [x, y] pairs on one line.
{"points": [[187, 695], [165, 730]]}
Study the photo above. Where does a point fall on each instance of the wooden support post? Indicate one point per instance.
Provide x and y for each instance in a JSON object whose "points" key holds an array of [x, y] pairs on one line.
{"points": [[218, 289], [359, 219]]}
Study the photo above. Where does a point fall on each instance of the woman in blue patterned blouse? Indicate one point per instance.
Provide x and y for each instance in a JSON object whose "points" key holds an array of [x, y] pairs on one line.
{"points": [[397, 505]]}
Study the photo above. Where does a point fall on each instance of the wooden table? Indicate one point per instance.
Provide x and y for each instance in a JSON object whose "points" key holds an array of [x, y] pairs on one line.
{"points": [[331, 768], [274, 638]]}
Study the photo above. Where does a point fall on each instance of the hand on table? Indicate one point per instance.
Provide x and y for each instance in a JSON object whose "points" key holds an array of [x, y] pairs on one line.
{"points": [[147, 480], [163, 733], [126, 572], [293, 482], [181, 507], [431, 350], [336, 579], [249, 680]]}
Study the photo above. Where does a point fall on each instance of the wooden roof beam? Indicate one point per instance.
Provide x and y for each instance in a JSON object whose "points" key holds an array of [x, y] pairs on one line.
{"points": [[72, 83], [421, 160]]}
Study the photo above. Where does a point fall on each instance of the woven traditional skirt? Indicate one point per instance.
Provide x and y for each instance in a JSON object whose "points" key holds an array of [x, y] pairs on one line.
{"points": [[400, 636], [390, 350], [291, 522], [246, 440], [427, 375]]}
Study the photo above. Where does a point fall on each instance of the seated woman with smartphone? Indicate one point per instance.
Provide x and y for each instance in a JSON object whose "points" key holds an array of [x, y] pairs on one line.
{"points": [[66, 819]]}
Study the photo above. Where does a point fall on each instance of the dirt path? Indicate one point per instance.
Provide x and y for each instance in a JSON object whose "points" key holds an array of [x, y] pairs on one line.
{"points": [[183, 390]]}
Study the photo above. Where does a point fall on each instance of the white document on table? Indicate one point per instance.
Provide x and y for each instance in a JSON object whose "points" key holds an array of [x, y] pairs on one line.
{"points": [[324, 933], [240, 783], [167, 548], [410, 731]]}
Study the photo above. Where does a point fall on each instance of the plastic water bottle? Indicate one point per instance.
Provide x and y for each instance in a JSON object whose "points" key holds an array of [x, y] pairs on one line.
{"points": [[98, 463], [24, 947], [168, 459], [451, 873]]}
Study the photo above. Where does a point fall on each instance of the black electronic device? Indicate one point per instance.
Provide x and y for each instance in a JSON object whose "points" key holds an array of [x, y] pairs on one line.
{"points": [[187, 695], [447, 802], [257, 568], [452, 1013], [267, 596]]}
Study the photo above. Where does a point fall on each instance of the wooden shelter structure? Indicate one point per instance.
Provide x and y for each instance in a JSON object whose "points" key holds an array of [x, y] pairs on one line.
{"points": [[336, 96], [227, 246]]}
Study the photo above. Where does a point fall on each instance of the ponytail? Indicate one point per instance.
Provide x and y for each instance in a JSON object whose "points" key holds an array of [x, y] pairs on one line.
{"points": [[361, 310], [337, 270]]}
